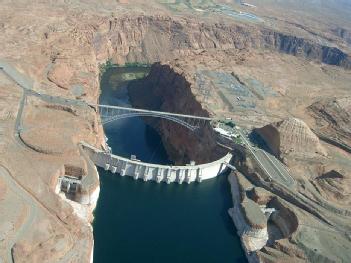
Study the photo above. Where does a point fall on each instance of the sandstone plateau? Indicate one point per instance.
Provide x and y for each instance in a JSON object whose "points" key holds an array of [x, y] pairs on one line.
{"points": [[281, 73]]}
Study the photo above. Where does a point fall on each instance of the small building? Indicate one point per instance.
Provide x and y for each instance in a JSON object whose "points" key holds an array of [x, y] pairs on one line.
{"points": [[222, 131], [69, 184]]}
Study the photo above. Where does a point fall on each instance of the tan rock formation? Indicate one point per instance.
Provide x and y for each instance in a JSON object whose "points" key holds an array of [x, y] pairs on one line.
{"points": [[291, 137], [294, 234], [59, 44], [265, 236], [61, 75], [334, 184], [333, 118], [3, 189]]}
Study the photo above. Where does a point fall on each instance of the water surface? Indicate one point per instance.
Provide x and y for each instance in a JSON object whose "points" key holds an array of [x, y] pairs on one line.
{"points": [[138, 221]]}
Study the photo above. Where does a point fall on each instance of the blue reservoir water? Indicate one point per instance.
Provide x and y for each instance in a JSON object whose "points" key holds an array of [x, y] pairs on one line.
{"points": [[138, 221]]}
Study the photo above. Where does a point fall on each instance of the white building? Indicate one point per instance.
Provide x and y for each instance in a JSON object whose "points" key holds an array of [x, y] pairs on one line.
{"points": [[247, 4]]}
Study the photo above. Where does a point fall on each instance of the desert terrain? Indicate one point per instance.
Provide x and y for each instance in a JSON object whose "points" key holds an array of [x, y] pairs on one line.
{"points": [[280, 70]]}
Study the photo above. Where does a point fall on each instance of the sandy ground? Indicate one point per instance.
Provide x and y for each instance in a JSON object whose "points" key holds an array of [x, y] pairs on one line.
{"points": [[59, 46]]}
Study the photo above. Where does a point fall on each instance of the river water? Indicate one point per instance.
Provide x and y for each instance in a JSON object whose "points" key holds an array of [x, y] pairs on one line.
{"points": [[138, 221]]}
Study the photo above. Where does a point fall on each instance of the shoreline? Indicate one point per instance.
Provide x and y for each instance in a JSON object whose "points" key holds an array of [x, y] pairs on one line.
{"points": [[252, 239]]}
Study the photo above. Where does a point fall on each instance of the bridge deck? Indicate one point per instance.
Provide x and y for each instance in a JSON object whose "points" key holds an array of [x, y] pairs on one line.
{"points": [[152, 112]]}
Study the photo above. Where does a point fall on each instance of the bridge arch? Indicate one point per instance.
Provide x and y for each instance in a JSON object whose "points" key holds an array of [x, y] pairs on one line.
{"points": [[146, 114], [110, 113]]}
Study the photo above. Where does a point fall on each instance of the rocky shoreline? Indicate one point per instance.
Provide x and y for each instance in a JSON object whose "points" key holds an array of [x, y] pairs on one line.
{"points": [[274, 72], [252, 237], [270, 217]]}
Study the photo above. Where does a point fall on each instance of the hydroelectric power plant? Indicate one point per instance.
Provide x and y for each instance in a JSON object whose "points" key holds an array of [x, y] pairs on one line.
{"points": [[146, 171], [135, 221]]}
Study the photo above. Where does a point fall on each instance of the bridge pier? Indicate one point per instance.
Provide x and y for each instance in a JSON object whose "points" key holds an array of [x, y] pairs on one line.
{"points": [[114, 169], [107, 166]]}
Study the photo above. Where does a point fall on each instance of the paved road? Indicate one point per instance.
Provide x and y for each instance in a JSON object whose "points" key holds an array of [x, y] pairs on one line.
{"points": [[27, 86], [18, 123], [273, 168], [57, 99], [232, 167], [13, 73], [276, 169], [28, 200]]}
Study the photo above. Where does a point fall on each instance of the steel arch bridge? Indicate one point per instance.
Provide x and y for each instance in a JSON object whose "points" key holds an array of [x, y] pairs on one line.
{"points": [[110, 114]]}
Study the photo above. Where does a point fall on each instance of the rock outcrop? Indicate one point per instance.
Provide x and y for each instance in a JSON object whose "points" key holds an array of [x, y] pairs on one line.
{"points": [[249, 220], [264, 227], [334, 184], [59, 45], [166, 90], [291, 137], [159, 38], [301, 47], [333, 118], [299, 229], [60, 74], [343, 34]]}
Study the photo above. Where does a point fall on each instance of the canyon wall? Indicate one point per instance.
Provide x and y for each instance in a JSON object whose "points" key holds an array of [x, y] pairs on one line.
{"points": [[249, 221], [149, 39], [158, 38], [333, 118], [166, 90]]}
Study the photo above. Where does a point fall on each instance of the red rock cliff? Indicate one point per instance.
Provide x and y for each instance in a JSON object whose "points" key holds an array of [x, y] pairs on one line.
{"points": [[166, 90]]}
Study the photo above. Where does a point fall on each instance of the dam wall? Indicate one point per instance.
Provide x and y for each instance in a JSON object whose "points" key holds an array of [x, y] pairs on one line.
{"points": [[159, 173]]}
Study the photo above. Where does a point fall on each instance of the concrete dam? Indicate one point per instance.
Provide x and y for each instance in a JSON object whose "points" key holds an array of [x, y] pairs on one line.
{"points": [[159, 173]]}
